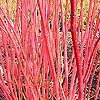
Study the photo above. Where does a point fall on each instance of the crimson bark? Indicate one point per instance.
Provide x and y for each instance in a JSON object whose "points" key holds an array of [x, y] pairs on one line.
{"points": [[75, 45]]}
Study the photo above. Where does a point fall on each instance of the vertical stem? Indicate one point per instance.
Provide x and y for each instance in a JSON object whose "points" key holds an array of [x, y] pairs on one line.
{"points": [[75, 44], [64, 30]]}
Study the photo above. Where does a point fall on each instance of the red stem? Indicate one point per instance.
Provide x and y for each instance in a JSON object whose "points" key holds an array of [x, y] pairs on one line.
{"points": [[75, 44]]}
